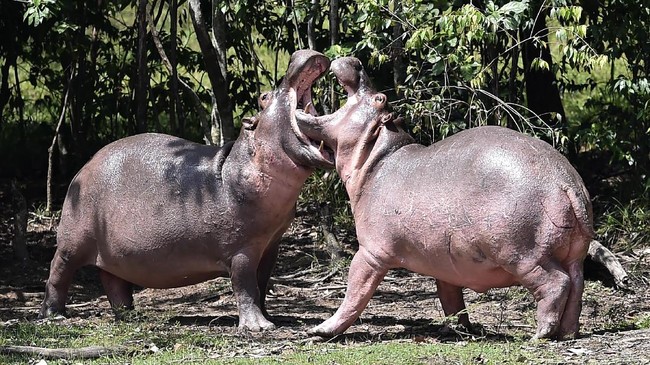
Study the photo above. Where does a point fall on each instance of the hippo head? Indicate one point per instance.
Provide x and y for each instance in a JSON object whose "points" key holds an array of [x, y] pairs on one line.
{"points": [[352, 131], [276, 122]]}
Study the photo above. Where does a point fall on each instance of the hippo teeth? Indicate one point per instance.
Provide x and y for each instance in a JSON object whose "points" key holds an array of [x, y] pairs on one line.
{"points": [[320, 148]]}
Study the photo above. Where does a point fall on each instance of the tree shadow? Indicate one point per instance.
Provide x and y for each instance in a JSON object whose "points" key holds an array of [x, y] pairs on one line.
{"points": [[418, 330]]}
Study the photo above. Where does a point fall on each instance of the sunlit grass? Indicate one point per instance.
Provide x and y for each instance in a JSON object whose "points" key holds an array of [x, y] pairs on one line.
{"points": [[153, 342]]}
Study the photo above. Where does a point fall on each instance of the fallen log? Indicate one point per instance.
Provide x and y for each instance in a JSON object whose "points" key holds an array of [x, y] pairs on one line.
{"points": [[603, 256], [90, 352]]}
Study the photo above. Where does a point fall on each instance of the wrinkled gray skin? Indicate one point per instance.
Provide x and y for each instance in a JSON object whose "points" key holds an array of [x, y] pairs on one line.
{"points": [[161, 212], [488, 207]]}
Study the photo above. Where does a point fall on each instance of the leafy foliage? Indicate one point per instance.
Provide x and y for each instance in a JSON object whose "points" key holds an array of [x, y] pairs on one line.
{"points": [[463, 65]]}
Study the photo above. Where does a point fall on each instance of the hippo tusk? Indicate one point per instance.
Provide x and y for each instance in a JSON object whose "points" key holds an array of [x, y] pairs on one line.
{"points": [[309, 108], [320, 148]]}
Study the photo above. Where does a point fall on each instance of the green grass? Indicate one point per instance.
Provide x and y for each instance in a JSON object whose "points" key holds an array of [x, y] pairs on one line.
{"points": [[156, 342]]}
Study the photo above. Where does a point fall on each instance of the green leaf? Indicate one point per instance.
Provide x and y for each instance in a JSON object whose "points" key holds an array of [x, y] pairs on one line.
{"points": [[539, 64], [515, 7]]}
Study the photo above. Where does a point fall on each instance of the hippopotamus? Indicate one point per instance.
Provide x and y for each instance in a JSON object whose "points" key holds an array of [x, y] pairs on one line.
{"points": [[159, 211], [488, 207]]}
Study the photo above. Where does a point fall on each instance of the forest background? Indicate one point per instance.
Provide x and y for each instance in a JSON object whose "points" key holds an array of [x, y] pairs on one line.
{"points": [[77, 75]]}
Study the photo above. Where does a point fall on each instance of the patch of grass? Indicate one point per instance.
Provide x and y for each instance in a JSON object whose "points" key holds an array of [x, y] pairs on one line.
{"points": [[156, 342], [624, 226], [643, 322], [418, 353]]}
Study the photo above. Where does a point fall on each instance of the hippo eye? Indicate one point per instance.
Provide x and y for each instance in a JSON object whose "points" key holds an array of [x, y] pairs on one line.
{"points": [[380, 99]]}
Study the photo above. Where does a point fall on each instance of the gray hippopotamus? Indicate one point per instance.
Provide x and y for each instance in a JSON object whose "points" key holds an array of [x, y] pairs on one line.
{"points": [[161, 212], [488, 207]]}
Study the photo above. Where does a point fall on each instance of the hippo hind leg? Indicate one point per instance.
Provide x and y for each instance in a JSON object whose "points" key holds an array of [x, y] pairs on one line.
{"points": [[550, 285], [118, 291], [570, 322]]}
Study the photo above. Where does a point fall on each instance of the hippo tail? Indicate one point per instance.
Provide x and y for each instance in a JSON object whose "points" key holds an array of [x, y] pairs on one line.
{"points": [[581, 205]]}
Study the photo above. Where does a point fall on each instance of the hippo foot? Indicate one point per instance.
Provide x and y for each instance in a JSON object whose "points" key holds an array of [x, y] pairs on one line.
{"points": [[256, 325], [556, 337], [323, 330], [546, 330], [54, 317], [51, 313]]}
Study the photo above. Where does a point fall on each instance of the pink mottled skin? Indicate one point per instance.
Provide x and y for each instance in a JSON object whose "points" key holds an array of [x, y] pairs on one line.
{"points": [[161, 212], [488, 207]]}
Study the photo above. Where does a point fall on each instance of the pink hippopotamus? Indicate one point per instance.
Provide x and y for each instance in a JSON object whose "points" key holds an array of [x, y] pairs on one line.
{"points": [[161, 212], [488, 207]]}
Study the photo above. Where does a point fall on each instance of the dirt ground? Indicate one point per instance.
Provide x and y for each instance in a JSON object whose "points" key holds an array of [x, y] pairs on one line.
{"points": [[306, 291]]}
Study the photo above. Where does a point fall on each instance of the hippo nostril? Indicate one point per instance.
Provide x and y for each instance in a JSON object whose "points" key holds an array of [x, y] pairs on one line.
{"points": [[380, 99]]}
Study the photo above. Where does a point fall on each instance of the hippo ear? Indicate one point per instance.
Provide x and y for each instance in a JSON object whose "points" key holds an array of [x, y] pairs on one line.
{"points": [[386, 118], [249, 123], [391, 123]]}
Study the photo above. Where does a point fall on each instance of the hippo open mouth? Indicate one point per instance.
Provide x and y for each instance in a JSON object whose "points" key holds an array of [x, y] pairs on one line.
{"points": [[301, 101], [351, 76]]}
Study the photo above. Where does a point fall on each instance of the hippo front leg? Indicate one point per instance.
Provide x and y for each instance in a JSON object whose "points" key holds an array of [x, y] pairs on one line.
{"points": [[366, 272], [451, 298], [247, 292]]}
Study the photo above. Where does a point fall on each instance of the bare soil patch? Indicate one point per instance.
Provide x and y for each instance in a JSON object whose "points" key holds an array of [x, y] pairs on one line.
{"points": [[306, 291]]}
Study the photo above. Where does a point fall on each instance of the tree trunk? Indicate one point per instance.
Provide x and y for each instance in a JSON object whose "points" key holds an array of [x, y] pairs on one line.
{"points": [[12, 11], [19, 242], [143, 77], [542, 93], [5, 92], [50, 151], [176, 121], [291, 27], [334, 22], [513, 91], [397, 53], [79, 93], [218, 37], [334, 40], [311, 24], [214, 57], [198, 105]]}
